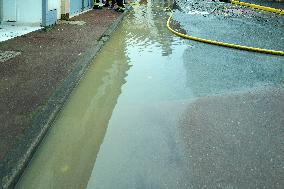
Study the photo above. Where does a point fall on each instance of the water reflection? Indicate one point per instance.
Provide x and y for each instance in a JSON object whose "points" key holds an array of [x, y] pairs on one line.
{"points": [[149, 125], [158, 114], [149, 27], [66, 157]]}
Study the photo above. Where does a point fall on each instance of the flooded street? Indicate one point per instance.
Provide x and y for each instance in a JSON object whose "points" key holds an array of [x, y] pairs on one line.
{"points": [[157, 111]]}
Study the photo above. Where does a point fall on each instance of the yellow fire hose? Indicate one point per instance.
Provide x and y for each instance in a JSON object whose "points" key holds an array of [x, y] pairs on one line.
{"points": [[230, 45], [254, 6]]}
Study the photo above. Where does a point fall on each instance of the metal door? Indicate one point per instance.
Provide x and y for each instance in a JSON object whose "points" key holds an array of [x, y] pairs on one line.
{"points": [[9, 10]]}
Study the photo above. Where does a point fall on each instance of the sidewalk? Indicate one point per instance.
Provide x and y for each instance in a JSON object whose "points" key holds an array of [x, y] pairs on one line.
{"points": [[38, 71]]}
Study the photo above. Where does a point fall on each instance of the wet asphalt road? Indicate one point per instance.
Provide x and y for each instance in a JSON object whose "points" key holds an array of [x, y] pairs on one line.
{"points": [[178, 113]]}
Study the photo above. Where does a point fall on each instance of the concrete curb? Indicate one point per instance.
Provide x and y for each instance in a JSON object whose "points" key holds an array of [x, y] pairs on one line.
{"points": [[18, 159]]}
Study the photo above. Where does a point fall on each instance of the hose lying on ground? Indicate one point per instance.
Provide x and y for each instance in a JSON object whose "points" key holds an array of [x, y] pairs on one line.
{"points": [[260, 7], [235, 46], [230, 45]]}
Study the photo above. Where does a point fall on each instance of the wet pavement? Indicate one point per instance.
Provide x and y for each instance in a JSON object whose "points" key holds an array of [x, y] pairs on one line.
{"points": [[231, 23], [71, 146], [158, 111]]}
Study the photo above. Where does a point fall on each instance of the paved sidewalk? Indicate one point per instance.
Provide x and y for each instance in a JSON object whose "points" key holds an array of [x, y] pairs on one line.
{"points": [[37, 72]]}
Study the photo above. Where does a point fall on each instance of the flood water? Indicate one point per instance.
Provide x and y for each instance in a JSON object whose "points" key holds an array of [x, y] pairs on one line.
{"points": [[157, 111]]}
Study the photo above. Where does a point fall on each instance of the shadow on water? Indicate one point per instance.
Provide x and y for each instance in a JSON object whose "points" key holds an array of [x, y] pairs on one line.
{"points": [[67, 154]]}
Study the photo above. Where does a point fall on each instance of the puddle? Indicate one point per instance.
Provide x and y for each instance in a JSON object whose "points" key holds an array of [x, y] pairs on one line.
{"points": [[70, 148], [121, 128]]}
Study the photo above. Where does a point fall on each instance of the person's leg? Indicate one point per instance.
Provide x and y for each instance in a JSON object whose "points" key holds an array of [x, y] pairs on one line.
{"points": [[120, 3], [106, 4], [96, 4], [113, 3]]}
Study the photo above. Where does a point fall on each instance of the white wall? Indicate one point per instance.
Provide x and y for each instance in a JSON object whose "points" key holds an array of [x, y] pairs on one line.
{"points": [[55, 4], [9, 10], [1, 10], [29, 11], [65, 6]]}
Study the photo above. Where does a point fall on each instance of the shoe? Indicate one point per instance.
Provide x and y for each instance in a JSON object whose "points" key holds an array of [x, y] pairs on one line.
{"points": [[97, 6], [120, 9]]}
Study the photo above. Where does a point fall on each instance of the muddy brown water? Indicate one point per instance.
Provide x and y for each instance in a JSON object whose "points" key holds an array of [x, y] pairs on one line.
{"points": [[156, 111]]}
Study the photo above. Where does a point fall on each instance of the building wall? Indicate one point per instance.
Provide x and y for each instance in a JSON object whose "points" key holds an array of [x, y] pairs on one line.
{"points": [[77, 6], [28, 11], [74, 7], [55, 4], [9, 10], [1, 10], [65, 6]]}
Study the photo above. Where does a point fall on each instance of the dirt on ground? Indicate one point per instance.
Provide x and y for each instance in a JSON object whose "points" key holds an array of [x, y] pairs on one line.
{"points": [[47, 57]]}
